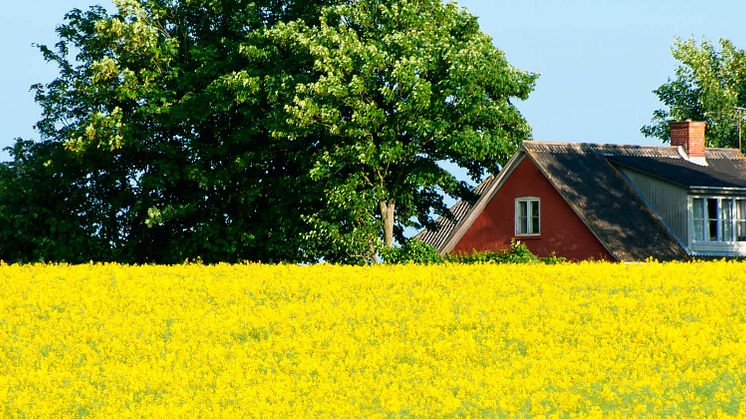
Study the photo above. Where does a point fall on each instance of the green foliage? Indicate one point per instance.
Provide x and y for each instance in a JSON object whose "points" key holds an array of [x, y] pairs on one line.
{"points": [[709, 83], [255, 130], [43, 211], [553, 259], [518, 253], [164, 109], [399, 86], [413, 251]]}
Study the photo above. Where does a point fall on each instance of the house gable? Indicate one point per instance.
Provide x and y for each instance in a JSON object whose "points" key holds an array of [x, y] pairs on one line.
{"points": [[562, 232]]}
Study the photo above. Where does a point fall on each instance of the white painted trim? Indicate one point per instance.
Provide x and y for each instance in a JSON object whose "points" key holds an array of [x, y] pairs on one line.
{"points": [[689, 223], [707, 247], [516, 215], [699, 161], [720, 188]]}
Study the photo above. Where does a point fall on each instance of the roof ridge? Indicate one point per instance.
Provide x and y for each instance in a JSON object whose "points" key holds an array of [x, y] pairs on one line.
{"points": [[575, 143], [571, 143], [722, 148]]}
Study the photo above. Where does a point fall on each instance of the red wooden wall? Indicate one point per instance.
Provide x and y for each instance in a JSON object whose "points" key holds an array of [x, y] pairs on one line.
{"points": [[562, 232]]}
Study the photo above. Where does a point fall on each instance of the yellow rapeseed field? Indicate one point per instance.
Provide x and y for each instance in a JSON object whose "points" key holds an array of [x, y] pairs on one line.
{"points": [[255, 340]]}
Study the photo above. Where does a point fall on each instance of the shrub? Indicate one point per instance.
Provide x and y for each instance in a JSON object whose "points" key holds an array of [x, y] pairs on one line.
{"points": [[518, 253], [416, 251], [413, 251]]}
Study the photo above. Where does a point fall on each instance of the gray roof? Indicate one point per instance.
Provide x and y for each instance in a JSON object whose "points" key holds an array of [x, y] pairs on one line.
{"points": [[586, 177], [446, 227], [725, 169]]}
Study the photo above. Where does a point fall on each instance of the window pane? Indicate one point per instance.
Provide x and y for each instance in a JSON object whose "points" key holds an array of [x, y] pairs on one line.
{"points": [[534, 214], [727, 231], [741, 231], [740, 210], [535, 225], [712, 219], [521, 220], [713, 231], [740, 217], [712, 208], [698, 222], [726, 209], [699, 230], [697, 206]]}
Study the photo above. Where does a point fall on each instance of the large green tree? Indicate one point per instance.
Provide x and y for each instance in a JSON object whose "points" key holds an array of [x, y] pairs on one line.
{"points": [[259, 130], [709, 83], [166, 107], [399, 86]]}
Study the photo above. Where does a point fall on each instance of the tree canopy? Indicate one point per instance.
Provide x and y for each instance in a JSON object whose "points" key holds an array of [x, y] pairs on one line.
{"points": [[400, 86], [166, 107], [709, 83], [255, 130]]}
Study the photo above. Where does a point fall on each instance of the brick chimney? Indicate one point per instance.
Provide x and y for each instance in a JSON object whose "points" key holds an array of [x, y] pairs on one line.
{"points": [[690, 135]]}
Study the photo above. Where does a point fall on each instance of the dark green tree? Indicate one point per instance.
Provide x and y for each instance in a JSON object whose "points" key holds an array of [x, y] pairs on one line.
{"points": [[709, 83], [43, 211], [166, 107]]}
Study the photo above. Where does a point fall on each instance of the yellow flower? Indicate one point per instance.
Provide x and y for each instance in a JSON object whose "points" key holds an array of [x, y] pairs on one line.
{"points": [[588, 339]]}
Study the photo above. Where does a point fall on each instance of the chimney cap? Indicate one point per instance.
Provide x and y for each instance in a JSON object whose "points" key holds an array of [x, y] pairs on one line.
{"points": [[688, 121]]}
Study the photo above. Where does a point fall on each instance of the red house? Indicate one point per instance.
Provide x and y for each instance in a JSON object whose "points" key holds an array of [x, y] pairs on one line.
{"points": [[608, 202]]}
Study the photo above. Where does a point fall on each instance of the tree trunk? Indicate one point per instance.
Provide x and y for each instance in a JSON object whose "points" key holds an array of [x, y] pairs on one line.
{"points": [[373, 256], [387, 215]]}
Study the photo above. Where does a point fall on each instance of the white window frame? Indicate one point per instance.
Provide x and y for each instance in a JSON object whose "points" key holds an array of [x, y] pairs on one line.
{"points": [[531, 202], [722, 245]]}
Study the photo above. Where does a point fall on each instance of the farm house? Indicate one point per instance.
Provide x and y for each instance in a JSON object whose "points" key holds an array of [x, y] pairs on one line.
{"points": [[608, 202]]}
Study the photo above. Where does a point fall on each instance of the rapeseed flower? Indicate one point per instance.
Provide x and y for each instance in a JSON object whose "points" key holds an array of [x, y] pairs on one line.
{"points": [[591, 339]]}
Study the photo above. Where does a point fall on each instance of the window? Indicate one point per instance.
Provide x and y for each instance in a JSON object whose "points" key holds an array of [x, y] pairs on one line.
{"points": [[718, 219], [698, 217], [527, 217], [740, 220]]}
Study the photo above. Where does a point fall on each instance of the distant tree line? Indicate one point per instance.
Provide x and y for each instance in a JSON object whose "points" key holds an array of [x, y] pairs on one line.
{"points": [[276, 131]]}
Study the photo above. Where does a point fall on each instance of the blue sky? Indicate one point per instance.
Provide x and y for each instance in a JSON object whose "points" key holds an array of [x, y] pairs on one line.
{"points": [[599, 60]]}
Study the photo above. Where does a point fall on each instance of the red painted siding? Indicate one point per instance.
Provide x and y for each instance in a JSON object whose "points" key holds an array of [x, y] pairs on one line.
{"points": [[562, 232]]}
